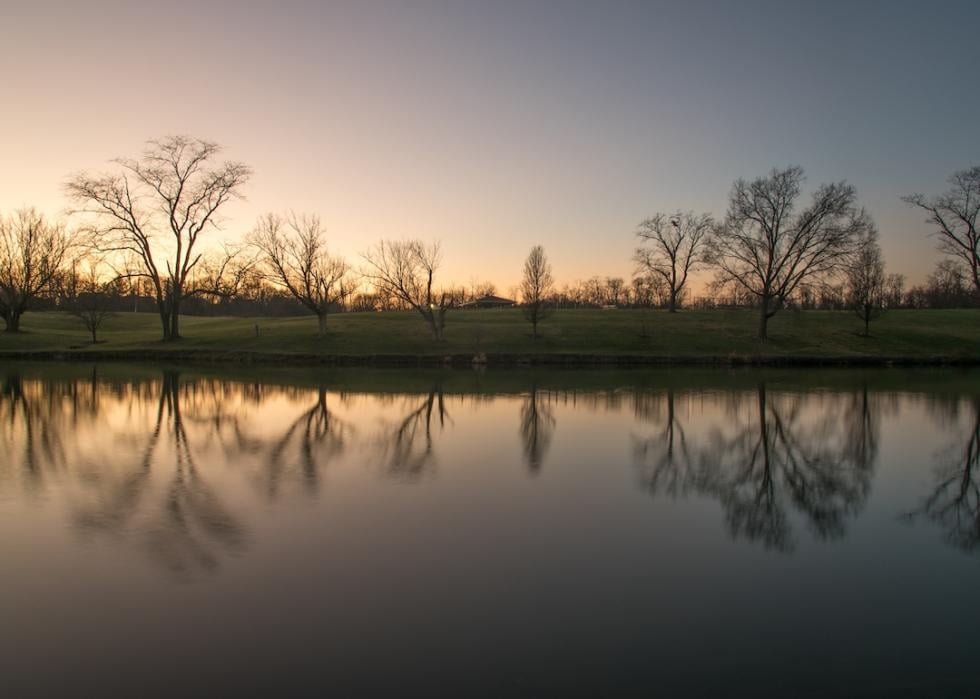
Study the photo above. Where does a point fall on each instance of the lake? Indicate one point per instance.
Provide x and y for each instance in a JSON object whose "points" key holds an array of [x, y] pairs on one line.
{"points": [[674, 532]]}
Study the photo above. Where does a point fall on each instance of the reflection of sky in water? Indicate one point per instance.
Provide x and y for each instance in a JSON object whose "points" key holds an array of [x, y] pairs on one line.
{"points": [[791, 534]]}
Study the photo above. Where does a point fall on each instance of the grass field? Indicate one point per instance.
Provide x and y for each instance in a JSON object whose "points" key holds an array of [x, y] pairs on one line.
{"points": [[719, 334]]}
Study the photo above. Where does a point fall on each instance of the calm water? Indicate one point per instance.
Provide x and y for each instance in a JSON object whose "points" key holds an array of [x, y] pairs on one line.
{"points": [[661, 533]]}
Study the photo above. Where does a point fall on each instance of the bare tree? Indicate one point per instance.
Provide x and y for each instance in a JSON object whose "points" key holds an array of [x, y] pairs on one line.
{"points": [[674, 248], [406, 271], [91, 299], [614, 290], [954, 214], [537, 286], [482, 289], [156, 208], [866, 283], [895, 289], [32, 252], [295, 257], [767, 249], [222, 273]]}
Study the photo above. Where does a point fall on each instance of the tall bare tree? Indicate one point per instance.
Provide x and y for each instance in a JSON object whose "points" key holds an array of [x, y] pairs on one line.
{"points": [[768, 249], [406, 271], [954, 215], [156, 207], [294, 255], [674, 247], [537, 286], [32, 253], [866, 292]]}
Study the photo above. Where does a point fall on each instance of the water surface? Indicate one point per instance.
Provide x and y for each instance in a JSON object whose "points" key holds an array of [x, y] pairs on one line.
{"points": [[674, 533]]}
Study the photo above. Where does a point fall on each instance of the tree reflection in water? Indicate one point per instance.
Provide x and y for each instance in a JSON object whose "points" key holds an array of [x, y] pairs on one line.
{"points": [[314, 438], [34, 419], [537, 428], [407, 446], [777, 454], [665, 461], [772, 459], [186, 524], [954, 503], [154, 489]]}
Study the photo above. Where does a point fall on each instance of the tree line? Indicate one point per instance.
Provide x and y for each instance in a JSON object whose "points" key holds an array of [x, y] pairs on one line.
{"points": [[137, 237]]}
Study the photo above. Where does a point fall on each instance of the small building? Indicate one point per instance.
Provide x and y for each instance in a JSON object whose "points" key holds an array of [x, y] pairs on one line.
{"points": [[489, 301]]}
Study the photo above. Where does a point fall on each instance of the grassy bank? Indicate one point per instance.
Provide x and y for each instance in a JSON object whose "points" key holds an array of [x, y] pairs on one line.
{"points": [[503, 335]]}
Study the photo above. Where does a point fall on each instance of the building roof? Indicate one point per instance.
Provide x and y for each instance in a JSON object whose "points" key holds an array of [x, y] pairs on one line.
{"points": [[490, 300]]}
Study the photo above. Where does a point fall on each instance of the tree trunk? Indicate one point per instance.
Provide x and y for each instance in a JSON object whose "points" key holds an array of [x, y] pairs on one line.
{"points": [[12, 318], [322, 322], [867, 322], [430, 318], [764, 319], [175, 321], [165, 322], [672, 307], [163, 310], [94, 338]]}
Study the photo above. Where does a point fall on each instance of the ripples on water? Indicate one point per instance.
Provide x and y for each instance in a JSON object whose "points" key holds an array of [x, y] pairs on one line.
{"points": [[687, 532]]}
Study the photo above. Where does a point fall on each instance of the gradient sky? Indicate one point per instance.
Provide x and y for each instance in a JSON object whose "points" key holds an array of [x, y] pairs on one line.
{"points": [[495, 125]]}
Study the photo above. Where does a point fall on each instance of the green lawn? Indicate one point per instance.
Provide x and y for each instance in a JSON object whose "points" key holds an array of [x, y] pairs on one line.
{"points": [[954, 334]]}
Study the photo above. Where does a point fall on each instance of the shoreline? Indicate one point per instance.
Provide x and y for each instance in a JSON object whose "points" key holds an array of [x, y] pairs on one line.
{"points": [[488, 360]]}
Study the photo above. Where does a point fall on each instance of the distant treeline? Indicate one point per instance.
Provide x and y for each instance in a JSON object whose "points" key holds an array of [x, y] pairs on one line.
{"points": [[137, 241], [946, 287]]}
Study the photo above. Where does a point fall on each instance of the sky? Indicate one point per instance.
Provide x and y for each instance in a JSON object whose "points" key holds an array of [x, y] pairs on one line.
{"points": [[496, 125]]}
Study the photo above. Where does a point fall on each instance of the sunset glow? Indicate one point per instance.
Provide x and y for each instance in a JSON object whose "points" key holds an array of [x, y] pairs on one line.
{"points": [[496, 126]]}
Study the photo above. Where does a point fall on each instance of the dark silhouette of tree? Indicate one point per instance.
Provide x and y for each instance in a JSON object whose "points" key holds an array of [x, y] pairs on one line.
{"points": [[674, 247], [954, 215], [537, 428], [405, 270], [91, 299], [954, 503], [769, 250], [895, 290], [32, 253], [173, 189], [479, 289], [537, 286], [866, 292], [295, 257]]}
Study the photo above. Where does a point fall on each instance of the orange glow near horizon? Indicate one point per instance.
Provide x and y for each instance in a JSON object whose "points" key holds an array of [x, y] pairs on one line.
{"points": [[490, 130]]}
